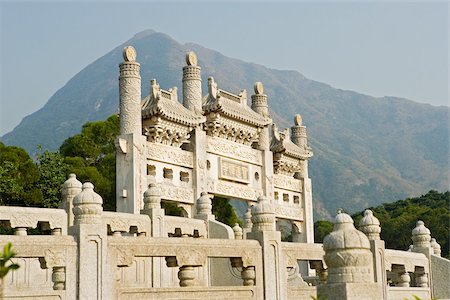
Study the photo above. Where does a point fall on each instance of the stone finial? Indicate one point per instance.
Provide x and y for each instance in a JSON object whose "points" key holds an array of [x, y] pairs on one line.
{"points": [[347, 253], [421, 236], [436, 247], [129, 54], [191, 58], [370, 225], [238, 234], [203, 205], [298, 120], [70, 189], [87, 206], [248, 218], [152, 197], [259, 88], [263, 217]]}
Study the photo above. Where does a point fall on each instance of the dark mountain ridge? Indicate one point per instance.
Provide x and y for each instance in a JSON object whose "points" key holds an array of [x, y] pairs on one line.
{"points": [[366, 150]]}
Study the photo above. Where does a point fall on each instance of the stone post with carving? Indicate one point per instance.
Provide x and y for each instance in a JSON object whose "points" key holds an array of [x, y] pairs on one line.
{"points": [[274, 264], [370, 225], [92, 279], [260, 105], [71, 188], [299, 138], [350, 265], [131, 176], [192, 84]]}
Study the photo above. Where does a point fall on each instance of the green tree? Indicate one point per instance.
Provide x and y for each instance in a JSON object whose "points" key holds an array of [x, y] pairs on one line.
{"points": [[321, 229], [18, 178], [6, 265], [52, 174], [91, 155], [224, 212]]}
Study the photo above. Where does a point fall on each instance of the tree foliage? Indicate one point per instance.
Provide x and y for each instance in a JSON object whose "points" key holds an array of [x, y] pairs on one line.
{"points": [[6, 265], [91, 156], [52, 174], [18, 178], [224, 212], [321, 229]]}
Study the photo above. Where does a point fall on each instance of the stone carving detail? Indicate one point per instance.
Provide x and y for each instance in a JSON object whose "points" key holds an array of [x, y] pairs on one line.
{"points": [[166, 133], [228, 129], [130, 98], [87, 206], [288, 211], [169, 155], [421, 236], [192, 94], [195, 257], [370, 225], [235, 190], [232, 170], [125, 256], [221, 147], [179, 194], [287, 182], [54, 258]]}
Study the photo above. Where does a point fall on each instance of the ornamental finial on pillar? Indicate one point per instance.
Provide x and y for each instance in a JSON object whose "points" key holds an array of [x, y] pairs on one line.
{"points": [[87, 206], [192, 84], [152, 197], [263, 217], [370, 225], [421, 236], [259, 100]]}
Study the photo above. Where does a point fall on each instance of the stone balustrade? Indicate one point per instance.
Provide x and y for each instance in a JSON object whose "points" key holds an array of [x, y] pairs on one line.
{"points": [[184, 227], [123, 223], [23, 218]]}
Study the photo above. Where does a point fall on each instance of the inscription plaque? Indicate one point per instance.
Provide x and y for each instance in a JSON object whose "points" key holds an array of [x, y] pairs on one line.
{"points": [[231, 170]]}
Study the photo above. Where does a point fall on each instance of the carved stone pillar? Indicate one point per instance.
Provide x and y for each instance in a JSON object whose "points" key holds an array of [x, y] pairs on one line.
{"points": [[421, 278], [71, 188], [192, 84], [131, 176], [59, 278], [186, 275], [248, 275], [237, 232], [130, 93]]}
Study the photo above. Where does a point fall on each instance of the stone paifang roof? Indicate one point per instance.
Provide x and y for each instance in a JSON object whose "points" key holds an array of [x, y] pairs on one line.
{"points": [[231, 105], [281, 143], [165, 104]]}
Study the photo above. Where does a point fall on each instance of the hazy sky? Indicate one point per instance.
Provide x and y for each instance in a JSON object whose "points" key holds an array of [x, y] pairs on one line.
{"points": [[377, 48]]}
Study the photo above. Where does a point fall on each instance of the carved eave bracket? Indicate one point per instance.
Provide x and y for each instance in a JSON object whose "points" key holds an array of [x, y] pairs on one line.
{"points": [[165, 120], [229, 117]]}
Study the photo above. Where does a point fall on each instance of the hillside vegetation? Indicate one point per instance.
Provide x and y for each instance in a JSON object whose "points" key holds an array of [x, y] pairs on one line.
{"points": [[366, 150], [397, 220]]}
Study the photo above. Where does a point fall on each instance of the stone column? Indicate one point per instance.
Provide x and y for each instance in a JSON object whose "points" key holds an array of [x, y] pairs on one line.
{"points": [[92, 245], [259, 105], [350, 265], [192, 84], [131, 177], [71, 188], [274, 264], [370, 225]]}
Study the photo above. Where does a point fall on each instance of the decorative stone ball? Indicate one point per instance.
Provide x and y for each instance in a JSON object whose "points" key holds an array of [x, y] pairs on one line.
{"points": [[263, 217], [370, 225], [421, 235], [152, 197], [436, 247], [87, 206], [347, 252], [204, 206], [345, 235], [72, 182], [237, 232]]}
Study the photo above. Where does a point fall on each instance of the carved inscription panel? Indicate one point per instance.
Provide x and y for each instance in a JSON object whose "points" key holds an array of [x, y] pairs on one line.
{"points": [[223, 147], [232, 170], [170, 155]]}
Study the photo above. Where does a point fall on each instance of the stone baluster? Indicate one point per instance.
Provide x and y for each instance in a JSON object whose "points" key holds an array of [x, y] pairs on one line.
{"points": [[263, 217], [20, 231], [247, 222], [248, 275], [421, 278], [403, 277], [71, 188], [237, 232], [321, 272], [59, 278], [186, 275], [421, 238]]}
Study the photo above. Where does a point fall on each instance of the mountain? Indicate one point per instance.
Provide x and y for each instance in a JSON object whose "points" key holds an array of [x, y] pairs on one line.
{"points": [[366, 150]]}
